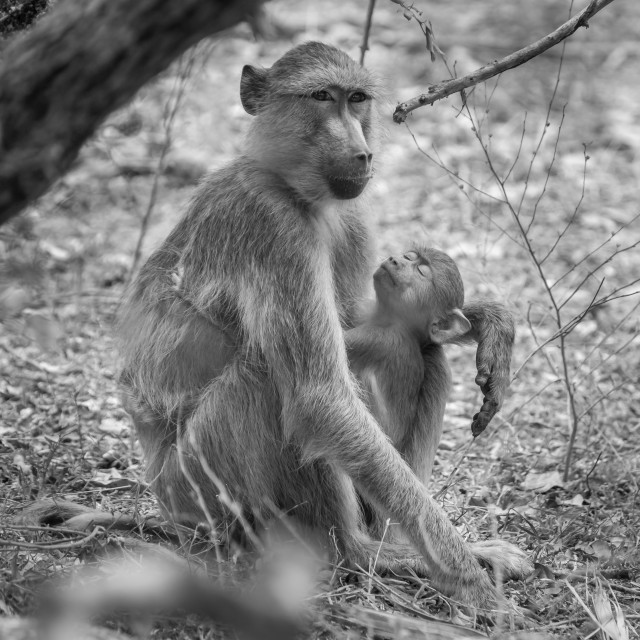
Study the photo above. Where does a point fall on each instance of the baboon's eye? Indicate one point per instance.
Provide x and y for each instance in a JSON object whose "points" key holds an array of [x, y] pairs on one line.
{"points": [[321, 95], [358, 96], [412, 255], [423, 269]]}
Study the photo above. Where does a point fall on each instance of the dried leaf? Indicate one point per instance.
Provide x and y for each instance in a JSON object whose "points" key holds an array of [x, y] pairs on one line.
{"points": [[46, 331], [12, 300], [542, 482], [114, 427], [600, 549]]}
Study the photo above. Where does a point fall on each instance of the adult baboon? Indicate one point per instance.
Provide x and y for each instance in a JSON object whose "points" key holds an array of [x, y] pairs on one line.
{"points": [[236, 372]]}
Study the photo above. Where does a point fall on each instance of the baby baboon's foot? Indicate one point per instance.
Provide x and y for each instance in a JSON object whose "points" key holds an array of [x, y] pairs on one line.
{"points": [[505, 558]]}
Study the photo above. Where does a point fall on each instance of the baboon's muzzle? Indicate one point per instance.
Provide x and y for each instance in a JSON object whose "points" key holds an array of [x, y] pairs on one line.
{"points": [[346, 188]]}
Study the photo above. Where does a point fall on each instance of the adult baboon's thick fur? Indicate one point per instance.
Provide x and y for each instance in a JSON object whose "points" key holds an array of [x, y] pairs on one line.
{"points": [[236, 372]]}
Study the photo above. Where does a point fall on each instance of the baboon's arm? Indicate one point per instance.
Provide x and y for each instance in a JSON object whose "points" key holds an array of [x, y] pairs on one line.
{"points": [[493, 329], [296, 323], [365, 346]]}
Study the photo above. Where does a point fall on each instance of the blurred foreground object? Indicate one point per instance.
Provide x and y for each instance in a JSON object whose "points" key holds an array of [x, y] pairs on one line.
{"points": [[151, 586]]}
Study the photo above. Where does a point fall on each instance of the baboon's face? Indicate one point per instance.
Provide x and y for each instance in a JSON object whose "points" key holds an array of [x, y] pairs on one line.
{"points": [[419, 287], [344, 158], [315, 121], [404, 288]]}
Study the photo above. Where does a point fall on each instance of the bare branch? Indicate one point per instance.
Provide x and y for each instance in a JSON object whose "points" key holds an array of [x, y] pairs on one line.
{"points": [[597, 268], [171, 109], [448, 87], [364, 47], [410, 12], [460, 182], [576, 209], [595, 250], [547, 121]]}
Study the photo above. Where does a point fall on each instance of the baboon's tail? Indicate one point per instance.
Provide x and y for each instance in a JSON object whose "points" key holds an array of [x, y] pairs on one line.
{"points": [[54, 512]]}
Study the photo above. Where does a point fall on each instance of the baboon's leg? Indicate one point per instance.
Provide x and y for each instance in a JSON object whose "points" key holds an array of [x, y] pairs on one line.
{"points": [[325, 498], [232, 445], [222, 459]]}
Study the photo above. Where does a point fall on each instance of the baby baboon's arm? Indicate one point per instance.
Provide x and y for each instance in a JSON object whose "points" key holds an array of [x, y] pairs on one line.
{"points": [[493, 329]]}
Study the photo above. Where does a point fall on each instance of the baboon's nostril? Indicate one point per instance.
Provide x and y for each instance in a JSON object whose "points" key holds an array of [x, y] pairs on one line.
{"points": [[364, 158]]}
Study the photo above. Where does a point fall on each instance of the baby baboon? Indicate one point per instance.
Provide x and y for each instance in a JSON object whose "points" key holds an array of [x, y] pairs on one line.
{"points": [[398, 358], [236, 372], [397, 354]]}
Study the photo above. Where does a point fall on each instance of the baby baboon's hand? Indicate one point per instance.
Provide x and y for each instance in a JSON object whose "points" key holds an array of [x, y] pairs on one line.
{"points": [[493, 360]]}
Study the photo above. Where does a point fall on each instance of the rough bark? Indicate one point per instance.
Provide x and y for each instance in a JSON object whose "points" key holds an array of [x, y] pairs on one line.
{"points": [[79, 63], [16, 15]]}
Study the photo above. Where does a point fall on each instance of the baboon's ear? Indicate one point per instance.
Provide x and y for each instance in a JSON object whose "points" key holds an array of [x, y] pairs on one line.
{"points": [[253, 88], [450, 328]]}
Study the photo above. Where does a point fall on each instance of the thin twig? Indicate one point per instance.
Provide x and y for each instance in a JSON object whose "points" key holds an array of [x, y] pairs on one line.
{"points": [[519, 151], [170, 114], [450, 478], [364, 47], [47, 546], [599, 344], [459, 181], [590, 274], [443, 89], [576, 209], [547, 119], [410, 12], [572, 414], [595, 250], [549, 171], [565, 329]]}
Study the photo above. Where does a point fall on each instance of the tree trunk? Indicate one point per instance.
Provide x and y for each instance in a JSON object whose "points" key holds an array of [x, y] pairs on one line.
{"points": [[79, 63]]}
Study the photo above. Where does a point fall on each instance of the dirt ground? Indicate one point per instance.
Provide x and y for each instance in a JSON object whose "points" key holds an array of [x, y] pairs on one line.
{"points": [[532, 186]]}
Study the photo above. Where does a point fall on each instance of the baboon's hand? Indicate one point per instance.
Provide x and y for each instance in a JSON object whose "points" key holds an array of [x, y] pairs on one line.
{"points": [[507, 560], [493, 360]]}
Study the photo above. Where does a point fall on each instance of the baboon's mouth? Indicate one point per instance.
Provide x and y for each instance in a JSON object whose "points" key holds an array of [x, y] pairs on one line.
{"points": [[347, 187], [384, 269]]}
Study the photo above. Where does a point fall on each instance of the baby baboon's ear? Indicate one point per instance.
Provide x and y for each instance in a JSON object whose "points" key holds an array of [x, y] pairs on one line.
{"points": [[450, 328], [253, 88]]}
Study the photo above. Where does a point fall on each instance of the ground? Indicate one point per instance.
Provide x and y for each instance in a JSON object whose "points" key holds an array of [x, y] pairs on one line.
{"points": [[555, 473]]}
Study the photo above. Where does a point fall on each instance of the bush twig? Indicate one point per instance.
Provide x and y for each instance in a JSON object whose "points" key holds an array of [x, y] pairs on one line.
{"points": [[364, 47], [456, 85]]}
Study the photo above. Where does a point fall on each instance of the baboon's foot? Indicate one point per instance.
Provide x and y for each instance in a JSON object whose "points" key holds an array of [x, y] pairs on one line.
{"points": [[505, 558]]}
